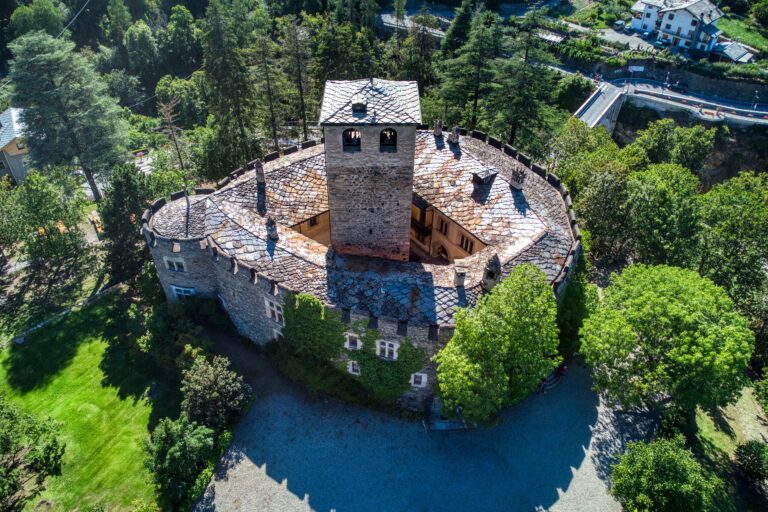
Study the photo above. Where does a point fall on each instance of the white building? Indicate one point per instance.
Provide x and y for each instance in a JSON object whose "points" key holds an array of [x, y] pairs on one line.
{"points": [[690, 25]]}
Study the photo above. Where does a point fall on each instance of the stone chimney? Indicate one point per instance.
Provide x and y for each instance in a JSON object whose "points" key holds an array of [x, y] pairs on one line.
{"points": [[516, 178], [491, 273], [460, 274], [271, 229], [453, 137], [438, 128], [259, 168]]}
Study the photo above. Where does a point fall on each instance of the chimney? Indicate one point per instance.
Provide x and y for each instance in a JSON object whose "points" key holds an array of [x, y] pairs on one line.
{"points": [[271, 229], [453, 137], [259, 168], [438, 128], [460, 274]]}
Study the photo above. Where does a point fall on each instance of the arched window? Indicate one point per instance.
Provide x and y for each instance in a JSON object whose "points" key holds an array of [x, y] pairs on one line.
{"points": [[350, 140], [388, 141]]}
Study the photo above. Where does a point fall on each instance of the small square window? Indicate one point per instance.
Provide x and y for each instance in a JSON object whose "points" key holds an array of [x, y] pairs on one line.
{"points": [[313, 221], [668, 27], [274, 311], [694, 23], [387, 349], [20, 145], [353, 342], [671, 16], [419, 380], [647, 15], [353, 367], [175, 264], [443, 227]]}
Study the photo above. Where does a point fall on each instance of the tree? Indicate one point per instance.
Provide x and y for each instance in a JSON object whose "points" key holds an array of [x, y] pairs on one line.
{"points": [[50, 217], [418, 50], [116, 22], [692, 146], [760, 12], [295, 40], [176, 453], [752, 460], [125, 87], [399, 7], [522, 110], [311, 331], [467, 78], [368, 11], [662, 211], [502, 348], [179, 42], [68, 117], [38, 15], [571, 91], [11, 226], [143, 55], [458, 31], [191, 97], [213, 394], [232, 95], [664, 334], [30, 451], [121, 211], [661, 476]]}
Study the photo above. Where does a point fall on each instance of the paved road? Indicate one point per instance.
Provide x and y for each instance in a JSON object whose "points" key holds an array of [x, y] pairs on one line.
{"points": [[293, 453], [591, 112]]}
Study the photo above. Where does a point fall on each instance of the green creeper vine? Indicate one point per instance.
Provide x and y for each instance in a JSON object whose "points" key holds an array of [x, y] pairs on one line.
{"points": [[385, 380]]}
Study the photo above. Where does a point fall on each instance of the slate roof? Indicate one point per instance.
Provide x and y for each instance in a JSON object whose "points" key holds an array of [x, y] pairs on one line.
{"points": [[520, 226], [734, 51], [387, 102], [10, 126], [703, 10]]}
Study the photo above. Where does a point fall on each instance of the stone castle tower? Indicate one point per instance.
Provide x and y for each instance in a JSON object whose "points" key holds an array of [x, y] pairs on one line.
{"points": [[370, 138]]}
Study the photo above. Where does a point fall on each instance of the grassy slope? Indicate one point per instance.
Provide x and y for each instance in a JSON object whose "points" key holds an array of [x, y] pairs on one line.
{"points": [[718, 434], [742, 30], [66, 371]]}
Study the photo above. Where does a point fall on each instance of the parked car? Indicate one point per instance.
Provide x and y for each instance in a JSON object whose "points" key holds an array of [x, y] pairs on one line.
{"points": [[628, 29], [646, 35], [661, 45], [679, 86], [619, 25]]}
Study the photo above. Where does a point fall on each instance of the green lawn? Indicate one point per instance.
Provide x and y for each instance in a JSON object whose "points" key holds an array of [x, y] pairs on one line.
{"points": [[70, 372], [718, 433], [741, 29]]}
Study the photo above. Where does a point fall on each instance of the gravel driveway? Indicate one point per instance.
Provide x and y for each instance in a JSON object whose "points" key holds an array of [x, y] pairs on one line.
{"points": [[294, 453]]}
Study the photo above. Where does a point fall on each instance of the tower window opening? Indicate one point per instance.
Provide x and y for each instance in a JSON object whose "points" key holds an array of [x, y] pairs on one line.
{"points": [[388, 141], [350, 140]]}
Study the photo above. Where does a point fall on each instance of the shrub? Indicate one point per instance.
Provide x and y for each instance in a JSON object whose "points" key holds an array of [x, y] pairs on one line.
{"points": [[177, 451], [752, 460], [661, 476], [311, 331], [214, 395]]}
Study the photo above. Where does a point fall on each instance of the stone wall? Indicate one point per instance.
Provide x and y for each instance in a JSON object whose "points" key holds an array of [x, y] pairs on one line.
{"points": [[197, 273], [370, 193]]}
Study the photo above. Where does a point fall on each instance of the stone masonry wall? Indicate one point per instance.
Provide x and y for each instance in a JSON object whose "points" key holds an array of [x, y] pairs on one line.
{"points": [[197, 266], [370, 193]]}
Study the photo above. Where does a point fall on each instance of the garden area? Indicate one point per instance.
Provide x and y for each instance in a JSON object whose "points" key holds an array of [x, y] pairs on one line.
{"points": [[744, 30]]}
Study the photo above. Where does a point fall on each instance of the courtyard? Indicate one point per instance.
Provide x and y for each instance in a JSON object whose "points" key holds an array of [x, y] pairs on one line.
{"points": [[298, 453]]}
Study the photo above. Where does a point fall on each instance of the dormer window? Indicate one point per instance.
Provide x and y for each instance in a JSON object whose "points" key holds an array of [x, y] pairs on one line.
{"points": [[350, 140], [388, 141], [359, 105]]}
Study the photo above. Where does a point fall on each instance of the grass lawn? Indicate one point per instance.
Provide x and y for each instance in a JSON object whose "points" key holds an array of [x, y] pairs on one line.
{"points": [[741, 29], [718, 434], [69, 371]]}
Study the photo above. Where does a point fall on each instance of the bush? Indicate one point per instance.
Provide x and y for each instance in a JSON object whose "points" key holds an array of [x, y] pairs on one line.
{"points": [[761, 393], [177, 451], [661, 476], [214, 395], [672, 423], [752, 460]]}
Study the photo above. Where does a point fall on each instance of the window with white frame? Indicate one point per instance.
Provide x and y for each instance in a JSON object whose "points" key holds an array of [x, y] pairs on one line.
{"points": [[181, 292], [353, 341], [353, 367], [387, 349], [175, 264], [419, 380], [274, 311]]}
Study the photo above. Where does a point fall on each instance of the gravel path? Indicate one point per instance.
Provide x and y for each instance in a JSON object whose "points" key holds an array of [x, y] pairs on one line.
{"points": [[293, 453]]}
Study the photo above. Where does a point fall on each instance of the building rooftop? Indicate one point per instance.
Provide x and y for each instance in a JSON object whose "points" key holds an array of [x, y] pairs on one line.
{"points": [[527, 225], [703, 10], [384, 101], [10, 126]]}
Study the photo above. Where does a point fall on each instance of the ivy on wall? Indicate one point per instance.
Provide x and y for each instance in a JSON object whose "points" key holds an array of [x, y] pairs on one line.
{"points": [[384, 379], [311, 331]]}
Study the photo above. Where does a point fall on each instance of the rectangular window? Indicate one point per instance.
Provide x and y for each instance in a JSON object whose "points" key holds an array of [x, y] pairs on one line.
{"points": [[175, 264], [671, 17], [274, 311], [387, 349], [467, 244], [353, 342], [353, 367], [443, 227], [694, 23], [20, 145], [647, 15], [419, 380], [180, 292], [668, 27]]}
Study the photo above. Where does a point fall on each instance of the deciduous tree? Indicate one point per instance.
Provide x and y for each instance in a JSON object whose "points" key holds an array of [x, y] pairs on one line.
{"points": [[214, 395], [664, 334], [38, 15], [502, 348]]}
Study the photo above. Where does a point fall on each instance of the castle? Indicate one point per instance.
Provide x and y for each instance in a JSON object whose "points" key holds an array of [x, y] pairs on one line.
{"points": [[384, 220]]}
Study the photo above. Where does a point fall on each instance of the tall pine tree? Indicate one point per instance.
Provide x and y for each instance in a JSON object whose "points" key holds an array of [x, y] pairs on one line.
{"points": [[458, 32], [69, 118]]}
